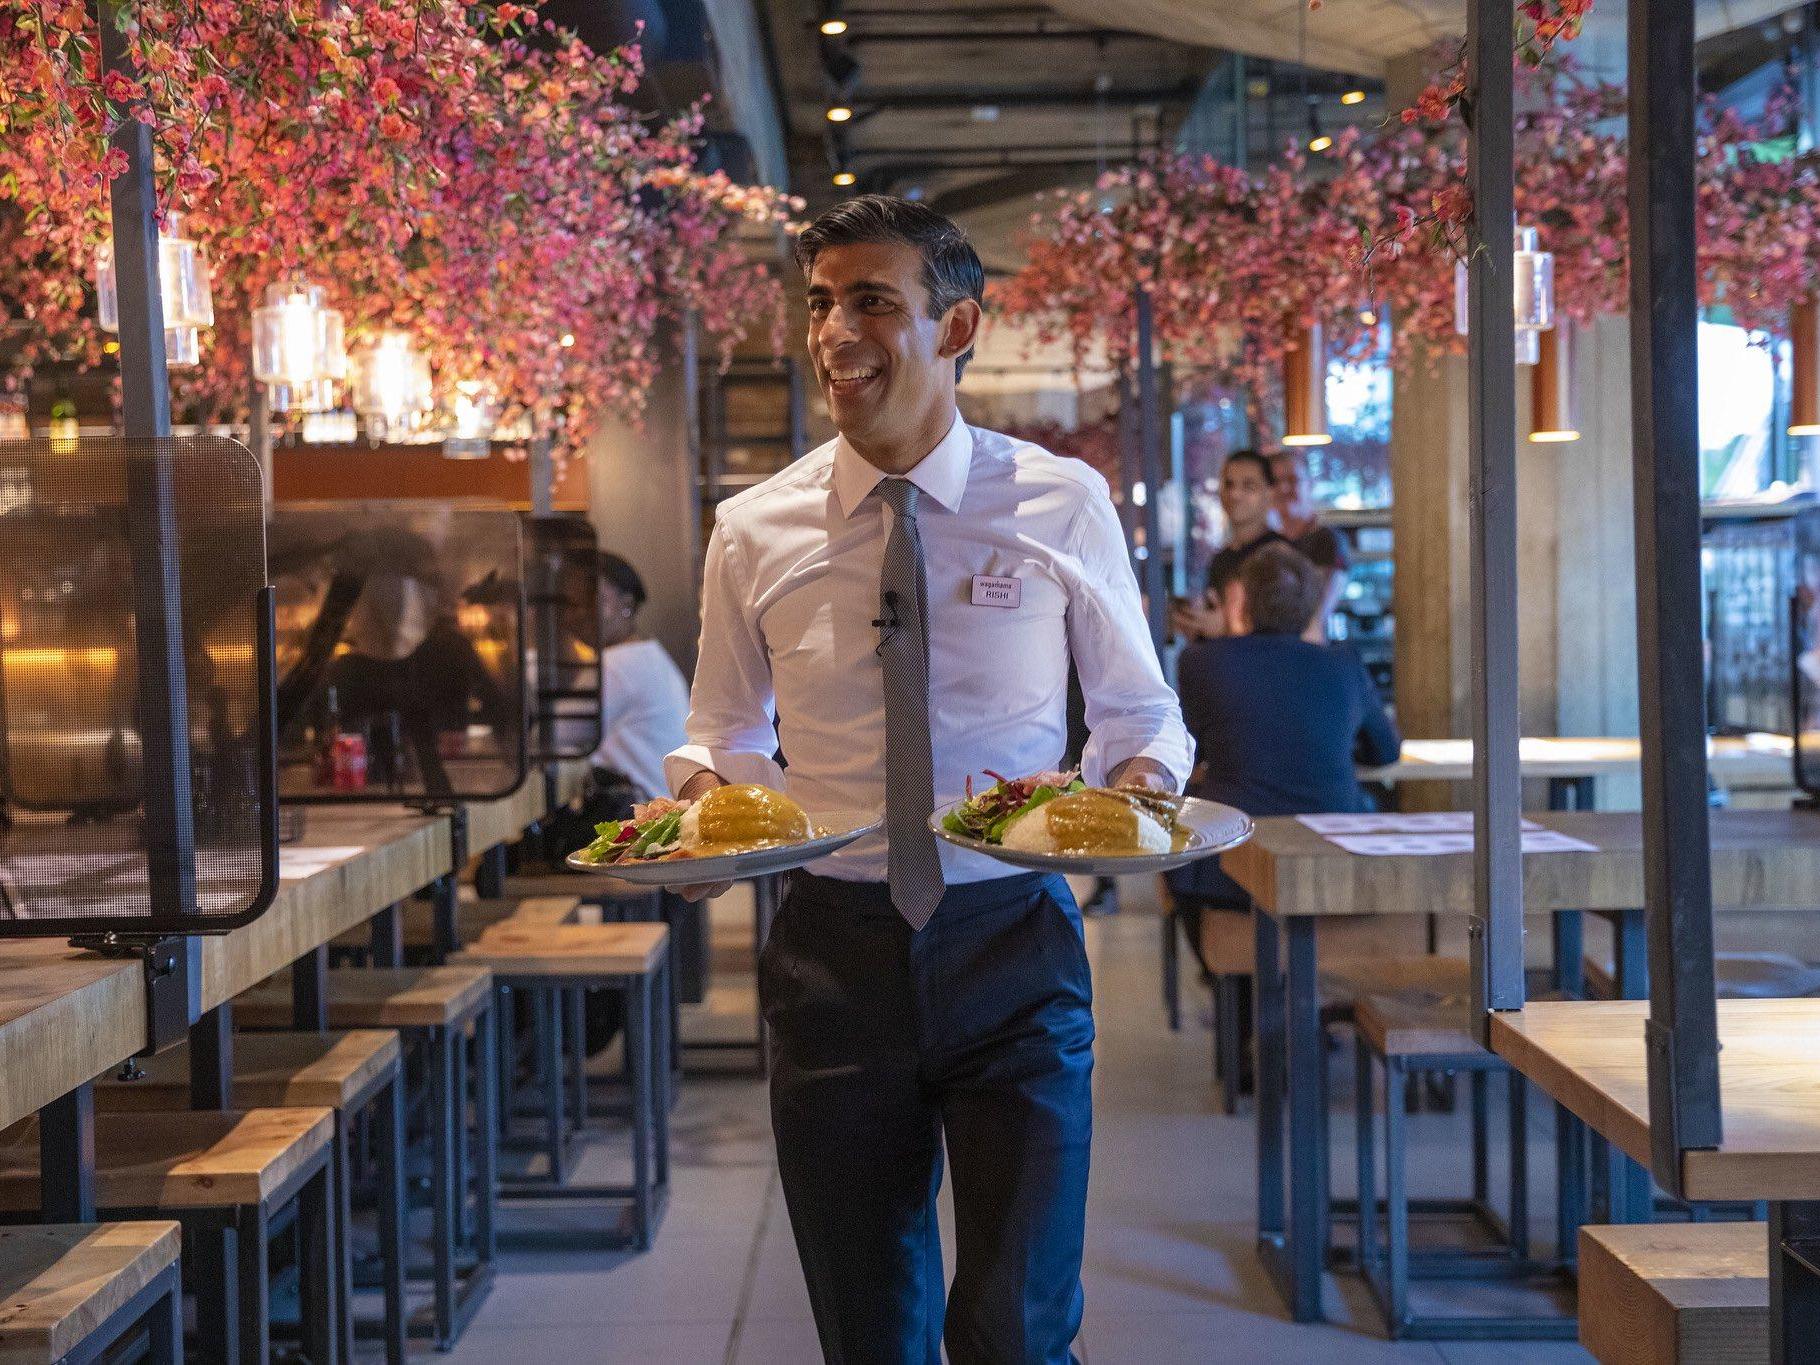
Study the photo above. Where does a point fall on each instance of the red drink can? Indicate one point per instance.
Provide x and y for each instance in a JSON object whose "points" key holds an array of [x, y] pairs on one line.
{"points": [[350, 763]]}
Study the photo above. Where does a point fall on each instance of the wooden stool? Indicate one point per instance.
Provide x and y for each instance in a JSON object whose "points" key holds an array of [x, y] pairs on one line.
{"points": [[71, 1292], [434, 1009], [547, 961], [216, 1172], [1412, 1031], [354, 1073], [1675, 1293]]}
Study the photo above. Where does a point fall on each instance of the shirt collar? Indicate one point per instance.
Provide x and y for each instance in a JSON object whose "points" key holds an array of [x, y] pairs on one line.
{"points": [[941, 474]]}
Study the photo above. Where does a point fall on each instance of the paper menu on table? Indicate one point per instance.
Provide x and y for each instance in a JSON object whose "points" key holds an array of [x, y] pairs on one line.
{"points": [[1396, 822], [1433, 845]]}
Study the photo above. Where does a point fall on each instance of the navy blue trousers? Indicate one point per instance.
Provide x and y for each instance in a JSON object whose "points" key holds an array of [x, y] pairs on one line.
{"points": [[976, 1035]]}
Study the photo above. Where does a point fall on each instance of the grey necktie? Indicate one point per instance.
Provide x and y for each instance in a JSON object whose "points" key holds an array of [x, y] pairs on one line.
{"points": [[916, 867]]}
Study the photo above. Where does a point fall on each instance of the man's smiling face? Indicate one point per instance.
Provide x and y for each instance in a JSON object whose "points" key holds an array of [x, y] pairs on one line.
{"points": [[879, 357]]}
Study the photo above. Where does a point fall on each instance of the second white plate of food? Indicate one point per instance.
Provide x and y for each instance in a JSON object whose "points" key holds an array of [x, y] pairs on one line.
{"points": [[1203, 829], [833, 830]]}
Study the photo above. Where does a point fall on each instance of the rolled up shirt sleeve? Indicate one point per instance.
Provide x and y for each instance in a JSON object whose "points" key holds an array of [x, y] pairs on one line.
{"points": [[732, 708], [1131, 711]]}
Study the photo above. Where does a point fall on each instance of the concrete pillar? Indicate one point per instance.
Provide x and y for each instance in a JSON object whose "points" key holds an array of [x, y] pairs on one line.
{"points": [[644, 502]]}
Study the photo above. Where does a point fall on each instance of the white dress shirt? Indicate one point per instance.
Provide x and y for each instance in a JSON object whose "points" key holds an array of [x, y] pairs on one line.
{"points": [[791, 589], [644, 699]]}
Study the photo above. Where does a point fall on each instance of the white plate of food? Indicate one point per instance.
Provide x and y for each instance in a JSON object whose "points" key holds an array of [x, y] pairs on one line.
{"points": [[1053, 822], [726, 835]]}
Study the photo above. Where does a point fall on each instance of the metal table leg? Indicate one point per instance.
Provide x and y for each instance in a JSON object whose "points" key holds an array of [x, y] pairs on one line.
{"points": [[255, 1305], [389, 1135], [318, 1298], [638, 1045], [66, 1157], [550, 1069], [486, 1139], [443, 1190], [1308, 1159], [1794, 1281], [1267, 1035], [1632, 1189]]}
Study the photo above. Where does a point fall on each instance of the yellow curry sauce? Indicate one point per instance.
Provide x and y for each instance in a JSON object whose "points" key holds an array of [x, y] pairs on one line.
{"points": [[1093, 822]]}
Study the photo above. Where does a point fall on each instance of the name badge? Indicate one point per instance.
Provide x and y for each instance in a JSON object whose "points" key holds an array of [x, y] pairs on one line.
{"points": [[997, 592]]}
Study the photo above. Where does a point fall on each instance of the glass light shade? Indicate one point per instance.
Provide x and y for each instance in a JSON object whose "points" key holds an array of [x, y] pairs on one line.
{"points": [[1535, 282], [1532, 293], [470, 417], [299, 348], [183, 284], [391, 382]]}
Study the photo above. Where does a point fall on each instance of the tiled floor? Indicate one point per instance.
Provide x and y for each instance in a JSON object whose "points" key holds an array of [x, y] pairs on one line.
{"points": [[1170, 1274]]}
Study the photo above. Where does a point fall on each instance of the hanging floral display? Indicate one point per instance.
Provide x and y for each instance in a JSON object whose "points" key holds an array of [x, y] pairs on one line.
{"points": [[471, 175], [1335, 239]]}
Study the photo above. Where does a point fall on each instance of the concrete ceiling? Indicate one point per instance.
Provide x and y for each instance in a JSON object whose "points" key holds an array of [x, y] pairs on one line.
{"points": [[1359, 36]]}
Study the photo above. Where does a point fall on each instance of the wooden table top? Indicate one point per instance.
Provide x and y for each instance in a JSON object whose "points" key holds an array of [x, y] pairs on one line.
{"points": [[1590, 1056], [1761, 860], [501, 821], [351, 863], [1734, 761]]}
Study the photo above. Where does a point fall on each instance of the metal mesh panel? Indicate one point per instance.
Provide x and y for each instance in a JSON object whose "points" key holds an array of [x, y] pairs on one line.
{"points": [[565, 628], [400, 651], [81, 523]]}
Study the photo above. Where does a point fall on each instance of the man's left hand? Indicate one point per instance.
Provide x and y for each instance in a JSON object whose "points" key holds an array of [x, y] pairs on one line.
{"points": [[1144, 773]]}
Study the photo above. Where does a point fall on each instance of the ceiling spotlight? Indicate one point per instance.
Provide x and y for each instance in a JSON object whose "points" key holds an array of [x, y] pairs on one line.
{"points": [[845, 178], [1320, 142], [833, 28], [1258, 88], [1368, 317], [567, 340], [1353, 97], [839, 113]]}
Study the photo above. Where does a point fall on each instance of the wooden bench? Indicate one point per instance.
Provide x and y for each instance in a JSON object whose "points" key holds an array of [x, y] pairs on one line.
{"points": [[436, 1008], [351, 1073], [553, 965], [216, 1172], [1737, 975], [1675, 1293], [474, 917], [72, 1291]]}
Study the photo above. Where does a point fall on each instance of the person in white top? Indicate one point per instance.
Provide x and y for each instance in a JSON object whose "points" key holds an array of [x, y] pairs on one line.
{"points": [[973, 1033], [644, 698]]}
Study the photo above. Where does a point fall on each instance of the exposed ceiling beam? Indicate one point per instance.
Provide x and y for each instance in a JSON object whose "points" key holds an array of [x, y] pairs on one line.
{"points": [[970, 98]]}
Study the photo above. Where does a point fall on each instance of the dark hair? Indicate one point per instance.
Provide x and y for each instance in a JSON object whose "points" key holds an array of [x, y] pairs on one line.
{"points": [[623, 576], [1253, 457], [951, 267], [1282, 589]]}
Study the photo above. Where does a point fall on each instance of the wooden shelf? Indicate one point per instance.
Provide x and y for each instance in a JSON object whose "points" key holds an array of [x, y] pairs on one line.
{"points": [[1589, 1055]]}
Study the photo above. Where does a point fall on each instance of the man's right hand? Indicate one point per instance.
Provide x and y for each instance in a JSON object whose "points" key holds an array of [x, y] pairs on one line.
{"points": [[1198, 618], [693, 790]]}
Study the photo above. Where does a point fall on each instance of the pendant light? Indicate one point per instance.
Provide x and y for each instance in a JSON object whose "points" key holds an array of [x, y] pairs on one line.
{"points": [[469, 419], [299, 348], [1553, 413], [1532, 293], [391, 383], [1804, 392], [183, 281], [1305, 387]]}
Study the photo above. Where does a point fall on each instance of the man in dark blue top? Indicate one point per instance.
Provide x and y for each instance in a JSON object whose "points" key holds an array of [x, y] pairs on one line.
{"points": [[1278, 723]]}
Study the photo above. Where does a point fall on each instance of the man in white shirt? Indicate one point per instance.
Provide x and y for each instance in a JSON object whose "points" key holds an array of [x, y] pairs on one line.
{"points": [[644, 698], [904, 603]]}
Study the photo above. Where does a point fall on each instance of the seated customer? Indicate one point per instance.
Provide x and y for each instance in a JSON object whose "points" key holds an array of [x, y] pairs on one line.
{"points": [[1278, 723]]}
